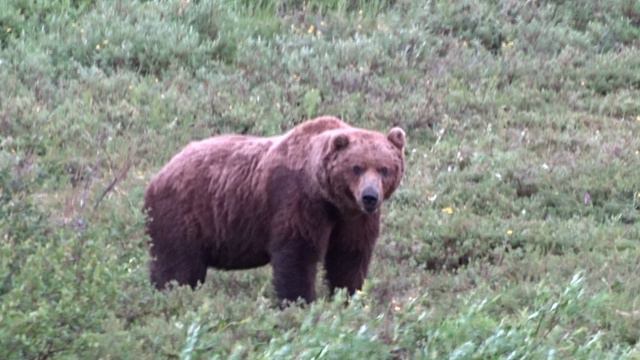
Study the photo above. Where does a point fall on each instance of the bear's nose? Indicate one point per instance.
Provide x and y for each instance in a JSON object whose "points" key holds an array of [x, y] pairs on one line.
{"points": [[370, 199]]}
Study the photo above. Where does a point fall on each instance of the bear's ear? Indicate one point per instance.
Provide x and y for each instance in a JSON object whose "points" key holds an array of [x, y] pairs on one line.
{"points": [[397, 137], [339, 142]]}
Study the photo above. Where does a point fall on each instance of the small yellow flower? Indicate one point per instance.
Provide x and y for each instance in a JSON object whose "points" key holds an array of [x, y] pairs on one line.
{"points": [[638, 118], [396, 305], [9, 29], [311, 29], [509, 232], [98, 47], [448, 210], [105, 42], [507, 45]]}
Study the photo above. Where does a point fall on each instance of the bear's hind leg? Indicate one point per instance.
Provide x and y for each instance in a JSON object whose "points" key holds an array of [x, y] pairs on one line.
{"points": [[182, 266]]}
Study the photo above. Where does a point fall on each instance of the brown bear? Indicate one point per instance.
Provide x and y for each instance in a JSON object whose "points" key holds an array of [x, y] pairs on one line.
{"points": [[237, 202]]}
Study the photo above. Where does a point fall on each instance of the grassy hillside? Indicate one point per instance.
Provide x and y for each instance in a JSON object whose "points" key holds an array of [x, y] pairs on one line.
{"points": [[516, 233]]}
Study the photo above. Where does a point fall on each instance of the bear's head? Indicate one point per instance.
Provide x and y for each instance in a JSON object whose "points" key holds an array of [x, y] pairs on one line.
{"points": [[362, 168]]}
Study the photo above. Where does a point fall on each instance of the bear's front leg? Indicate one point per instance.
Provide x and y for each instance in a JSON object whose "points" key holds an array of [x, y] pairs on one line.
{"points": [[349, 253], [346, 269], [294, 271]]}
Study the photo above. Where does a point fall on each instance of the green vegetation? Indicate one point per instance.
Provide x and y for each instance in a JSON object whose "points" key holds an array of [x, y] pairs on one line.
{"points": [[516, 233]]}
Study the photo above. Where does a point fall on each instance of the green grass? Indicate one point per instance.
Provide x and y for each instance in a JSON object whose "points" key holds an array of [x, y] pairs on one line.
{"points": [[515, 234]]}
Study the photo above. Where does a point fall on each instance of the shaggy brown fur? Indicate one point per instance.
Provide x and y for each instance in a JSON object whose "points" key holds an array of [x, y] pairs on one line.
{"points": [[238, 202]]}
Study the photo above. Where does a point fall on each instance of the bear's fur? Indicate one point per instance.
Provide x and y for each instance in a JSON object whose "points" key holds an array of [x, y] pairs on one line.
{"points": [[238, 202]]}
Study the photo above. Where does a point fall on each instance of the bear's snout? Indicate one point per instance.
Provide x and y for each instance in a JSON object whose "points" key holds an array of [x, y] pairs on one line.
{"points": [[370, 198]]}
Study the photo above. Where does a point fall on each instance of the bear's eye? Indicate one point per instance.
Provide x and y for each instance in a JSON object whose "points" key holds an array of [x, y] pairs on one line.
{"points": [[358, 170], [383, 171]]}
